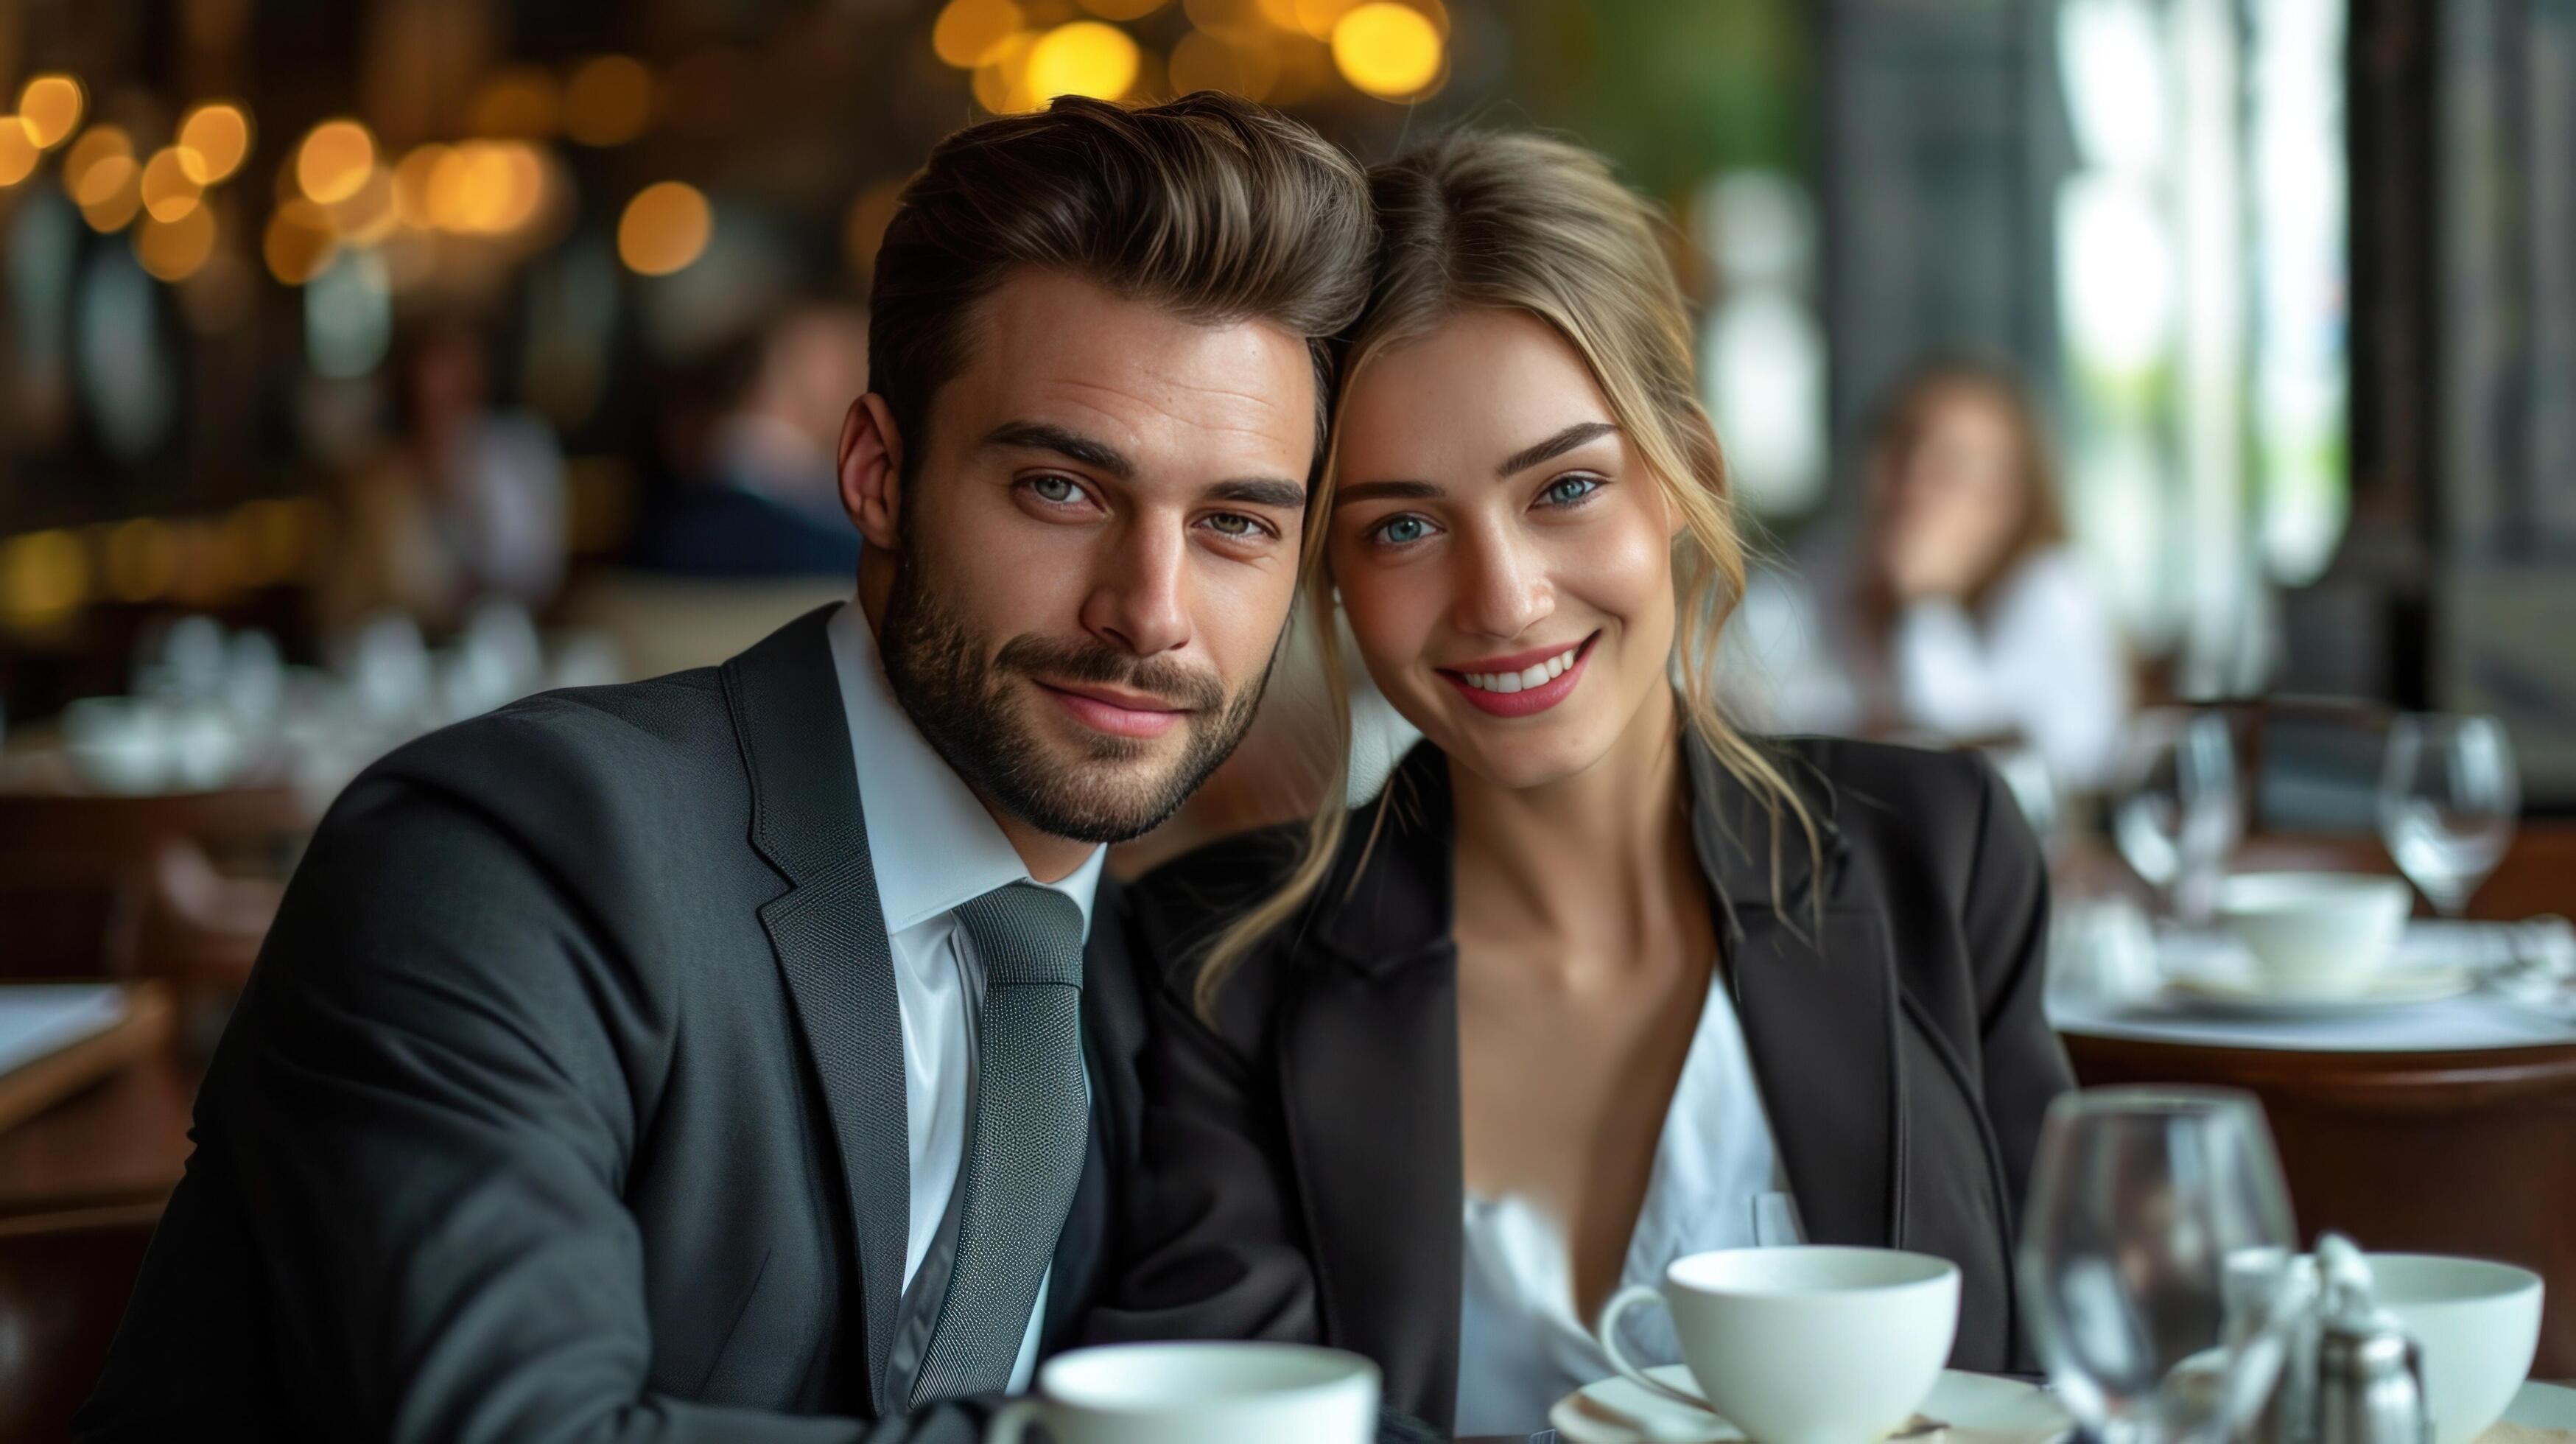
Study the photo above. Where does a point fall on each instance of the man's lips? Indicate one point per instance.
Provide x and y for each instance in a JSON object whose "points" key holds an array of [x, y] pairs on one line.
{"points": [[1115, 711]]}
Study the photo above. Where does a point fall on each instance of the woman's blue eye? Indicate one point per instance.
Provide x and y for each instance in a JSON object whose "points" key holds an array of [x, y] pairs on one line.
{"points": [[1054, 489], [1568, 490], [1397, 531]]}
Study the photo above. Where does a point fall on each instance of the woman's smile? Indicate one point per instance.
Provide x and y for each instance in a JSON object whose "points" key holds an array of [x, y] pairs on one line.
{"points": [[1524, 683]]}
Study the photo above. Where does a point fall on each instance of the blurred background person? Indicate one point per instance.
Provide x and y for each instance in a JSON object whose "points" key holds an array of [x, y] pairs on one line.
{"points": [[1971, 617], [756, 497], [466, 502]]}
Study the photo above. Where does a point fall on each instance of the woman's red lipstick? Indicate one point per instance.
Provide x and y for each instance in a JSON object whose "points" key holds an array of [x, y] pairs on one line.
{"points": [[1529, 701]]}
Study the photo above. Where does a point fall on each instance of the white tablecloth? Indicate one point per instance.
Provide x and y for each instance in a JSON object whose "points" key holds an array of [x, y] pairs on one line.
{"points": [[2109, 968]]}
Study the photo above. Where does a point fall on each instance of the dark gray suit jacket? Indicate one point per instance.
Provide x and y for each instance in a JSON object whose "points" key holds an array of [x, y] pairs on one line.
{"points": [[1302, 1161], [567, 1099]]}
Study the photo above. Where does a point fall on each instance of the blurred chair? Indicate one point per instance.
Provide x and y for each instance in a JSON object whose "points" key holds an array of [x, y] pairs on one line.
{"points": [[100, 886], [64, 1279], [665, 624]]}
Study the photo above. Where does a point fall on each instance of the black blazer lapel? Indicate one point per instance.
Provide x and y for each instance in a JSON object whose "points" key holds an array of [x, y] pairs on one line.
{"points": [[1815, 994], [830, 938]]}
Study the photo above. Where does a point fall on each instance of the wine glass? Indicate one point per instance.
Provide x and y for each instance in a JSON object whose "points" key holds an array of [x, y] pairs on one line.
{"points": [[2177, 817], [2156, 1261], [2447, 803]]}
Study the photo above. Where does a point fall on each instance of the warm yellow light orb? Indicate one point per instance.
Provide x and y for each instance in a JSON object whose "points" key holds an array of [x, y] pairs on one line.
{"points": [[968, 33], [213, 141], [609, 101], [174, 250], [100, 143], [167, 191], [664, 228], [300, 243], [51, 105], [18, 152], [334, 160], [1387, 50], [110, 193], [1083, 58]]}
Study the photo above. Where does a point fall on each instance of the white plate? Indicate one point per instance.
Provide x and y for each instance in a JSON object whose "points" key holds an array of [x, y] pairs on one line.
{"points": [[2543, 1406], [2221, 989], [1616, 1411]]}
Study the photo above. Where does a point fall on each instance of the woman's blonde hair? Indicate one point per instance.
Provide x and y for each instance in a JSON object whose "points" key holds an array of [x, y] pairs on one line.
{"points": [[1525, 223]]}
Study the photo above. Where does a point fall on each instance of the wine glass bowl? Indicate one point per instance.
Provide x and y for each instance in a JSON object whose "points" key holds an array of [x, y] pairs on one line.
{"points": [[2152, 1210], [2448, 800], [2178, 814]]}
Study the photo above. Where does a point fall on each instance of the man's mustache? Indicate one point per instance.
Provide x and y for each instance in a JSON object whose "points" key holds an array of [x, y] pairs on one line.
{"points": [[1096, 664]]}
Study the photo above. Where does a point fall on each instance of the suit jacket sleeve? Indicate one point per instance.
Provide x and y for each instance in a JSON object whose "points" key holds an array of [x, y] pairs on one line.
{"points": [[423, 1114], [1210, 1236], [2006, 920]]}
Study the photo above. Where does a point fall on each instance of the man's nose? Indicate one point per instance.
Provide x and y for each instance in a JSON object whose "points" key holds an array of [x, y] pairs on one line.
{"points": [[1140, 594]]}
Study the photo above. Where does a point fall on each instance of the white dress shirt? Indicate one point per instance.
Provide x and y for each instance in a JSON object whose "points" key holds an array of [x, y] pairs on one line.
{"points": [[932, 846], [1716, 1184], [2045, 662]]}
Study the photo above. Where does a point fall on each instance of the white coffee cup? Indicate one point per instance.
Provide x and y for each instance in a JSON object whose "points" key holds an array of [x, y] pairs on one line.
{"points": [[2478, 1324], [1811, 1345], [2315, 934], [1190, 1393]]}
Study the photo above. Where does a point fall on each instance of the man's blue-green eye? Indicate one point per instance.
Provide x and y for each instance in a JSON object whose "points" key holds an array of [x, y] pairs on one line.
{"points": [[1400, 530], [1568, 490], [1054, 488]]}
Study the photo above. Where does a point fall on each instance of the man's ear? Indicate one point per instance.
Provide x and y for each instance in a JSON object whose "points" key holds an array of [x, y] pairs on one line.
{"points": [[872, 471]]}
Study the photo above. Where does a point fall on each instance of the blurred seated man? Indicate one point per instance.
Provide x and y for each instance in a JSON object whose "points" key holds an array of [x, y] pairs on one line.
{"points": [[715, 1057], [762, 499]]}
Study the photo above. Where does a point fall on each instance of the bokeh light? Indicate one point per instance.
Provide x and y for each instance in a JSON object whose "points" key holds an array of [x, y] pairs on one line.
{"points": [[519, 102], [18, 152], [368, 215], [51, 105], [300, 243], [1002, 83], [334, 161], [609, 101], [664, 228], [166, 189], [1123, 9], [1387, 50], [1318, 17], [101, 143], [413, 181], [111, 193], [44, 578], [174, 250], [1083, 58], [214, 140], [969, 33]]}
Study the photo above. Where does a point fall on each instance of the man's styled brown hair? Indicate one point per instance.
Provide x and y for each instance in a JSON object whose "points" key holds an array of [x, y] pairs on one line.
{"points": [[1220, 209]]}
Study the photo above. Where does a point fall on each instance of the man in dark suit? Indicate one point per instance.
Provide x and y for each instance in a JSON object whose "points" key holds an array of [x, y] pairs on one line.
{"points": [[714, 1058]]}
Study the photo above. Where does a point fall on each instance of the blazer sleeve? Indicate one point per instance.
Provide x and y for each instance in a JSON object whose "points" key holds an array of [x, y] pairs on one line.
{"points": [[2006, 922], [423, 1115], [1209, 1231]]}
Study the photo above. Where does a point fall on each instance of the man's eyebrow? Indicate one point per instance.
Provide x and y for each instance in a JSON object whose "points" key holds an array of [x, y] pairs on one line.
{"points": [[1071, 445], [1260, 491], [1387, 490], [1554, 447]]}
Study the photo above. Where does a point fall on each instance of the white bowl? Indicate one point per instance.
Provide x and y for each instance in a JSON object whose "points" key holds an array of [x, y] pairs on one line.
{"points": [[2478, 1324], [2315, 934], [1814, 1345]]}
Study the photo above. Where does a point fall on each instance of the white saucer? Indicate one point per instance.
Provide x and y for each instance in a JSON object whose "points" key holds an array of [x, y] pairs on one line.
{"points": [[1616, 1411], [2543, 1406], [2221, 989]]}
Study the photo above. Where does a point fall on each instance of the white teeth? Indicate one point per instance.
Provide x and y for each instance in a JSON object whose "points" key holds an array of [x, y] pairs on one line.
{"points": [[1538, 674]]}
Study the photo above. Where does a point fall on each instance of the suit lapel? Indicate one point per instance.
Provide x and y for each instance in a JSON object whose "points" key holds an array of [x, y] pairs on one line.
{"points": [[830, 938], [1815, 994]]}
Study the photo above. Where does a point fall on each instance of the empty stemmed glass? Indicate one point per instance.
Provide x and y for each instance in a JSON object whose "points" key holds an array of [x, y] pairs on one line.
{"points": [[2178, 816], [2447, 803], [2156, 1262]]}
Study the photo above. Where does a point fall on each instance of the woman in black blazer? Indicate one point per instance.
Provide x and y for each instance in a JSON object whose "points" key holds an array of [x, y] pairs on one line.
{"points": [[1594, 980]]}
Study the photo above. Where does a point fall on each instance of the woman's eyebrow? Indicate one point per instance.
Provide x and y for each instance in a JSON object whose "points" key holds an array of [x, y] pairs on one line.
{"points": [[1554, 447]]}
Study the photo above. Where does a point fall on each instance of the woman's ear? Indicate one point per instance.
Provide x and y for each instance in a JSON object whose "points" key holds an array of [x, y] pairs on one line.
{"points": [[872, 471]]}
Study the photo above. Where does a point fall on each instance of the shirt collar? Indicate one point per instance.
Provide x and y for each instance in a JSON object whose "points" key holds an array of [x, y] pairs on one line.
{"points": [[931, 843]]}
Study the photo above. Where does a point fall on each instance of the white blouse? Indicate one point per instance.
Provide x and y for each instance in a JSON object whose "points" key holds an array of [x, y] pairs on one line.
{"points": [[1716, 1184]]}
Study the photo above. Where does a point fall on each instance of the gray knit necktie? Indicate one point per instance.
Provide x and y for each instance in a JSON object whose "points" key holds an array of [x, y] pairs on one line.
{"points": [[1025, 1152]]}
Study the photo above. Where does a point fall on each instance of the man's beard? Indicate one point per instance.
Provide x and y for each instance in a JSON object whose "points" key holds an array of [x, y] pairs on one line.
{"points": [[965, 706]]}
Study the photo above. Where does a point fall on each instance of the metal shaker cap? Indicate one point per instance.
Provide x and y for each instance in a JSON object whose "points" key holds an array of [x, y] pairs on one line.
{"points": [[2370, 1375]]}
